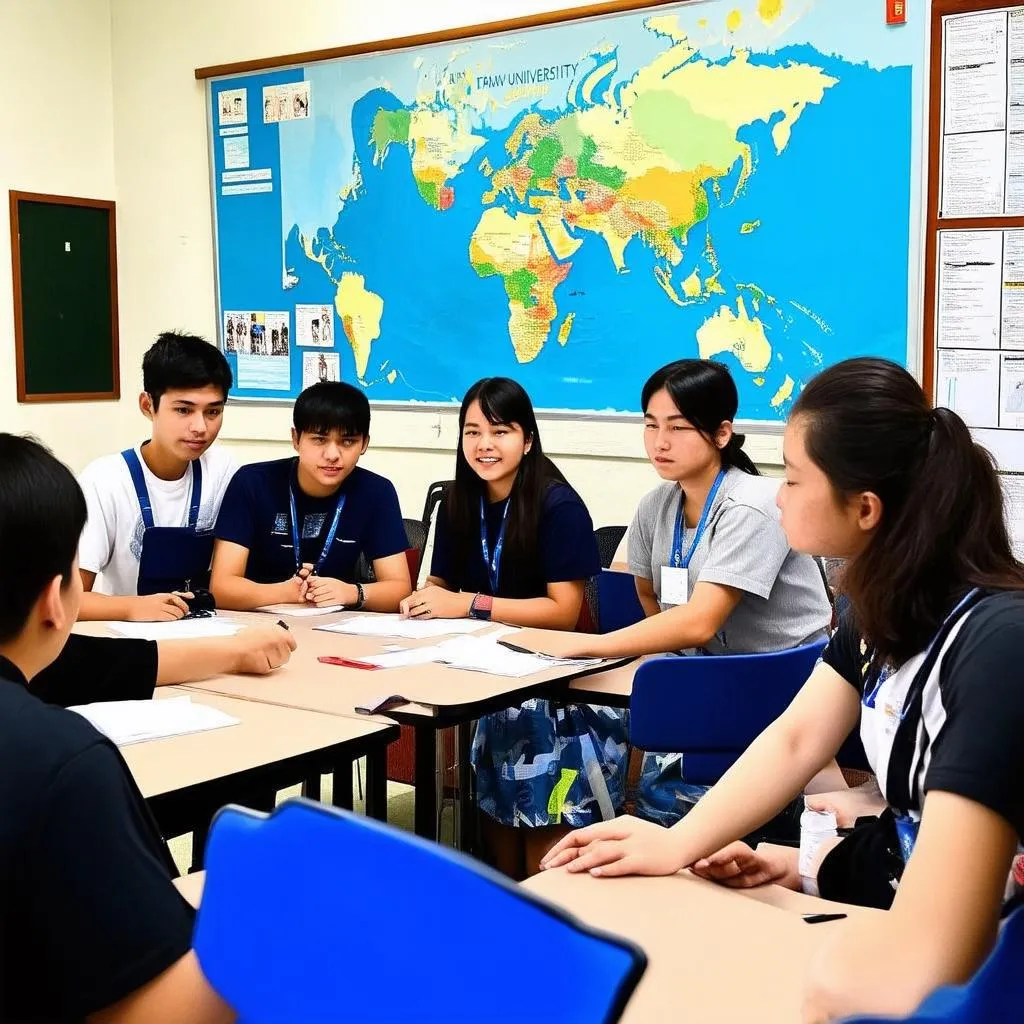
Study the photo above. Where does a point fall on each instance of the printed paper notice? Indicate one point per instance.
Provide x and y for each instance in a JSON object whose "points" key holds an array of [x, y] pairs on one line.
{"points": [[1012, 335], [974, 80], [968, 383], [314, 326], [288, 102], [1011, 397], [318, 367], [260, 340], [1013, 509], [970, 270], [973, 174], [236, 152], [232, 107]]}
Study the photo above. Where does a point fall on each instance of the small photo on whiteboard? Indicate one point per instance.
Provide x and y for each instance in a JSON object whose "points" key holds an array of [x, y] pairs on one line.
{"points": [[1011, 399], [232, 107], [299, 96], [968, 383], [318, 367], [314, 326]]}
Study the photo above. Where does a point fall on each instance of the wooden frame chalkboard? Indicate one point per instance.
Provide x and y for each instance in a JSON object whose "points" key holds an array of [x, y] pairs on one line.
{"points": [[68, 365]]}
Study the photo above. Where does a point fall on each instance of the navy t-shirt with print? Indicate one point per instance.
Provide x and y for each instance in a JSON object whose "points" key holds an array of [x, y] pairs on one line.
{"points": [[566, 549], [255, 514]]}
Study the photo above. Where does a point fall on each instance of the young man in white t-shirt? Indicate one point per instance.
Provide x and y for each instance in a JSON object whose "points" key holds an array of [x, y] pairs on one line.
{"points": [[185, 386]]}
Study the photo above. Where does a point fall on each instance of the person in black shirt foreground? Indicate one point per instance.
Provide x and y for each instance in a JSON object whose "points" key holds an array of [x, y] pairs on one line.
{"points": [[91, 926], [926, 660]]}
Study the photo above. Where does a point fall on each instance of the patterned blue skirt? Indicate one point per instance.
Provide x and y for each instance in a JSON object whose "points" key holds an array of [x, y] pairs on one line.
{"points": [[540, 764], [664, 795]]}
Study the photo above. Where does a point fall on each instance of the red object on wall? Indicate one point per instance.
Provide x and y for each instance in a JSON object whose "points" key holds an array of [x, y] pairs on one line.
{"points": [[895, 12]]}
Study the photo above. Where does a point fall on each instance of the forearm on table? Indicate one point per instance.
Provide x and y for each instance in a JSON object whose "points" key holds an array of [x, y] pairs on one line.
{"points": [[236, 593], [384, 595], [107, 607], [535, 613], [677, 629], [188, 661]]}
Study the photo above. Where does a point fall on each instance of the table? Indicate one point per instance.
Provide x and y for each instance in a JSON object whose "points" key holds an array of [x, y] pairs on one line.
{"points": [[186, 779], [714, 954], [436, 696]]}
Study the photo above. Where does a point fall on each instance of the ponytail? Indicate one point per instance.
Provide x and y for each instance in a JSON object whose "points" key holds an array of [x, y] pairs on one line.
{"points": [[869, 428], [734, 457]]}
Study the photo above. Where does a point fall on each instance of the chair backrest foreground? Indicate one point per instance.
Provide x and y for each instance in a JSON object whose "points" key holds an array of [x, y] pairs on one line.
{"points": [[712, 708], [994, 994], [317, 914]]}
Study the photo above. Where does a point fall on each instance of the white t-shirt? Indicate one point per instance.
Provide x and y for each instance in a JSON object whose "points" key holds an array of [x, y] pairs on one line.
{"points": [[111, 543]]}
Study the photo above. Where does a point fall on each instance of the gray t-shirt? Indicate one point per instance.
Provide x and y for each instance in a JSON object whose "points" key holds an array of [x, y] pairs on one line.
{"points": [[784, 603]]}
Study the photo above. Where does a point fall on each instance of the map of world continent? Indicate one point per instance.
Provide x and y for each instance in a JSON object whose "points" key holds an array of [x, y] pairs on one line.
{"points": [[576, 205]]}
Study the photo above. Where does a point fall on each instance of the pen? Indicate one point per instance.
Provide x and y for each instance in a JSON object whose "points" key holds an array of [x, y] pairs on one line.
{"points": [[327, 659], [822, 918], [282, 624]]}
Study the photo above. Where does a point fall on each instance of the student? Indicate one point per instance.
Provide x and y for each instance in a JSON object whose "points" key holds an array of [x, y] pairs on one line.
{"points": [[152, 507], [714, 571], [926, 660], [98, 668], [291, 531], [91, 925], [514, 543]]}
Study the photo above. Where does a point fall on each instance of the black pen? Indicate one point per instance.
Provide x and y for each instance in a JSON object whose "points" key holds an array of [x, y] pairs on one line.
{"points": [[822, 918], [283, 624]]}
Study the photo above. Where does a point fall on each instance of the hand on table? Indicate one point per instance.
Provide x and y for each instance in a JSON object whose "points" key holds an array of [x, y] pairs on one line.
{"points": [[324, 591], [740, 867], [622, 846], [157, 608], [435, 603], [559, 645], [261, 649]]}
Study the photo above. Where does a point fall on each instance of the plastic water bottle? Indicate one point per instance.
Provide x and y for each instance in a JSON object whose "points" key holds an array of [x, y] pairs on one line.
{"points": [[815, 828]]}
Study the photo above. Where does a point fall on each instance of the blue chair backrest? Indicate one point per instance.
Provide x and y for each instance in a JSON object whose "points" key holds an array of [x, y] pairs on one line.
{"points": [[617, 603], [712, 708], [994, 994], [314, 914]]}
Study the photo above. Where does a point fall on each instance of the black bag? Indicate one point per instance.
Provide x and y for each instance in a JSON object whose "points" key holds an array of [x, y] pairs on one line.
{"points": [[866, 867]]}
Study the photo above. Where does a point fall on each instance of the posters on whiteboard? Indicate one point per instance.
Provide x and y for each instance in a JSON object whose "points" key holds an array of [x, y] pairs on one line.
{"points": [[320, 366], [261, 342], [314, 326], [968, 383], [288, 102], [232, 107], [1011, 391], [970, 278]]}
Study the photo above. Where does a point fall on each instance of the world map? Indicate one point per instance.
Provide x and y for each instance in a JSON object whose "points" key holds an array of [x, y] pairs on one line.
{"points": [[578, 204]]}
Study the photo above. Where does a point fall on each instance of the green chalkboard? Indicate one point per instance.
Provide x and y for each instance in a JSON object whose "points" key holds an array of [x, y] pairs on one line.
{"points": [[65, 298]]}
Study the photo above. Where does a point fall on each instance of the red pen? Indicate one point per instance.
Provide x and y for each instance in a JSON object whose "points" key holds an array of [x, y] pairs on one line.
{"points": [[328, 659]]}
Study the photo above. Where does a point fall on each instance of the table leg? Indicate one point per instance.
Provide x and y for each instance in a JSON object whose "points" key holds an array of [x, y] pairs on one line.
{"points": [[426, 782], [466, 838], [311, 787], [377, 784], [343, 785]]}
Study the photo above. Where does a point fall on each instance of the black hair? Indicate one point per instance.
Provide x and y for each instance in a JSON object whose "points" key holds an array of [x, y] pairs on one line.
{"points": [[705, 394], [332, 405], [502, 400], [180, 362], [869, 427], [42, 512]]}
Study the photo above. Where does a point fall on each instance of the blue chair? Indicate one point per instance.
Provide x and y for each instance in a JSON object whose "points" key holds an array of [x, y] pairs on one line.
{"points": [[995, 993], [617, 603], [710, 709], [317, 915]]}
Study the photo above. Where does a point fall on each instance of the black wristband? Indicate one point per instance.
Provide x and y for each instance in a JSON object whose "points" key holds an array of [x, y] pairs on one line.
{"points": [[360, 596]]}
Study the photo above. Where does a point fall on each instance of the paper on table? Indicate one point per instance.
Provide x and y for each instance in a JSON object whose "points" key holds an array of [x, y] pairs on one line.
{"points": [[181, 629], [403, 658], [299, 610], [409, 629], [134, 721], [482, 654]]}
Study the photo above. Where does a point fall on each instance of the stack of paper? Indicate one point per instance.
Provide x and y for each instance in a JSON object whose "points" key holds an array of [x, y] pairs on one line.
{"points": [[482, 654], [180, 629], [408, 629], [301, 610], [134, 721]]}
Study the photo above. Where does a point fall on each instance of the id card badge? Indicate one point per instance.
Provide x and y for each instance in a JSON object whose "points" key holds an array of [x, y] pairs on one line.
{"points": [[674, 585]]}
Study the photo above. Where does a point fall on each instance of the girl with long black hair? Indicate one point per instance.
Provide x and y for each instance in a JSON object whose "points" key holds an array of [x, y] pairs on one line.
{"points": [[926, 661], [514, 543]]}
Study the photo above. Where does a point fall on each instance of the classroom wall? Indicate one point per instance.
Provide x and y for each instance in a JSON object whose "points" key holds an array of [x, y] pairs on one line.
{"points": [[56, 136], [165, 222]]}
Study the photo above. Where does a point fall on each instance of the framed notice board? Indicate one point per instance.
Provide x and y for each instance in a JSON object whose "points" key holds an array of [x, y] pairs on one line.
{"points": [[64, 254]]}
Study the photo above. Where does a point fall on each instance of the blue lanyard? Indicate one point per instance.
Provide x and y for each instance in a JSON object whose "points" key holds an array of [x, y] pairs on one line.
{"points": [[679, 560], [131, 457], [297, 538], [493, 564], [883, 673]]}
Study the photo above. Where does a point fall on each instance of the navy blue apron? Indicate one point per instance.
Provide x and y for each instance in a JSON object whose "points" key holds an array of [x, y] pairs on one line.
{"points": [[172, 557]]}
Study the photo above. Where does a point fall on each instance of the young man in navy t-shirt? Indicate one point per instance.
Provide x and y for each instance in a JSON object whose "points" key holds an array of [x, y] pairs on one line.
{"points": [[291, 531]]}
